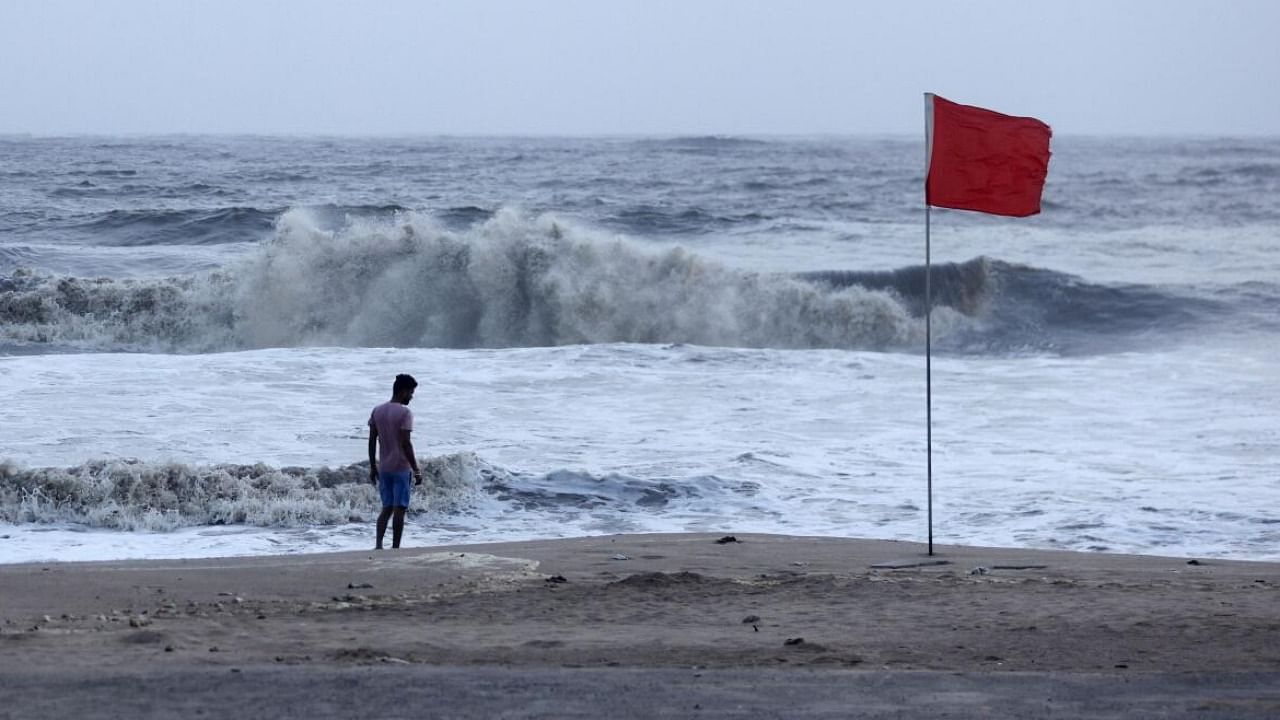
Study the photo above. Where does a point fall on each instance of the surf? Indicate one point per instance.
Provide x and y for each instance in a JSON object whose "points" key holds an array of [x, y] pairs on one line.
{"points": [[396, 278]]}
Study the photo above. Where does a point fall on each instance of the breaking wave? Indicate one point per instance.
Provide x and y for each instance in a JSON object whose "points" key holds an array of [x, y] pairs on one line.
{"points": [[405, 280], [137, 495]]}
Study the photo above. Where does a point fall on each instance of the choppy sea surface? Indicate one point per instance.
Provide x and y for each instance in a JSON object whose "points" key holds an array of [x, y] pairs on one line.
{"points": [[632, 335]]}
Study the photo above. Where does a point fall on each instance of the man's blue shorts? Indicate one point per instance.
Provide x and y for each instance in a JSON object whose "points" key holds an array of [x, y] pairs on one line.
{"points": [[394, 488]]}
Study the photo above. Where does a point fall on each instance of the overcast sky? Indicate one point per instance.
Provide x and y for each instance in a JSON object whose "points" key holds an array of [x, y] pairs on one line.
{"points": [[570, 67]]}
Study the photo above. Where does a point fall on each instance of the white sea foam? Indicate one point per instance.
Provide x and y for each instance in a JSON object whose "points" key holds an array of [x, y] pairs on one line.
{"points": [[1167, 453]]}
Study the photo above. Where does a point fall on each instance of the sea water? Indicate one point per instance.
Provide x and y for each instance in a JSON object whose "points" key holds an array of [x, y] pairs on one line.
{"points": [[632, 335]]}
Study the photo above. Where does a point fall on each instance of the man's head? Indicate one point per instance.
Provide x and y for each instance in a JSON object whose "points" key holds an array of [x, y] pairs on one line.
{"points": [[402, 389]]}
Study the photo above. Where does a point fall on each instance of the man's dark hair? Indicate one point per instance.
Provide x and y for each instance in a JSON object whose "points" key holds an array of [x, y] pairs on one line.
{"points": [[403, 382]]}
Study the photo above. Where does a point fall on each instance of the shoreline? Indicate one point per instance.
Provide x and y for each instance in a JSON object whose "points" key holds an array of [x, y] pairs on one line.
{"points": [[1152, 554]]}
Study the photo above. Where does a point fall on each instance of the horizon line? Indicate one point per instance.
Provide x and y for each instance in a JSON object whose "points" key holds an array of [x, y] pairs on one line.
{"points": [[387, 135]]}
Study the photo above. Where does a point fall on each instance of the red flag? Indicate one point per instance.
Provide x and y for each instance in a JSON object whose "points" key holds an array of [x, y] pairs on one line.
{"points": [[983, 160]]}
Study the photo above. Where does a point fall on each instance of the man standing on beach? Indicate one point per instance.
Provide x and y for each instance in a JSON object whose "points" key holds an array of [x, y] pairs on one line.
{"points": [[391, 458]]}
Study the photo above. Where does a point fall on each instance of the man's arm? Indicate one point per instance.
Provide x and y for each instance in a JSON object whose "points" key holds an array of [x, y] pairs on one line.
{"points": [[373, 454], [406, 446]]}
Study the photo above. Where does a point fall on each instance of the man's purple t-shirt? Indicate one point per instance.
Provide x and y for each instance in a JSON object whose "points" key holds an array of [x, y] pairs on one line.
{"points": [[390, 418]]}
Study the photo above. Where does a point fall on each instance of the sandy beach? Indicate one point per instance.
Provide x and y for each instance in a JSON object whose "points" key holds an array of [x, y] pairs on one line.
{"points": [[770, 610]]}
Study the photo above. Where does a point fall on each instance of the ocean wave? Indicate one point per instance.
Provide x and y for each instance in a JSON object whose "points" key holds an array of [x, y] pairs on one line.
{"points": [[1256, 170], [1017, 306], [400, 279], [113, 172], [84, 189], [136, 495], [702, 143], [177, 227], [154, 496], [406, 282], [648, 220], [462, 217], [582, 490], [186, 313], [195, 226]]}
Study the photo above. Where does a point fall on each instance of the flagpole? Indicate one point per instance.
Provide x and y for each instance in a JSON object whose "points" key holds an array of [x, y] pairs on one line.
{"points": [[928, 317], [928, 372]]}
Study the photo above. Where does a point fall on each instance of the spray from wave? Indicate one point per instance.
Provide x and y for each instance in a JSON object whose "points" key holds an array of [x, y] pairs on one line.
{"points": [[407, 282]]}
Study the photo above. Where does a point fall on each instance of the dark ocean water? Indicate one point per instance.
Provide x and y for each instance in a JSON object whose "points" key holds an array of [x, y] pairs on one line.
{"points": [[201, 190]]}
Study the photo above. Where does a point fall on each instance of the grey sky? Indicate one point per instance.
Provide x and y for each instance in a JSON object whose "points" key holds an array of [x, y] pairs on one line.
{"points": [[570, 67]]}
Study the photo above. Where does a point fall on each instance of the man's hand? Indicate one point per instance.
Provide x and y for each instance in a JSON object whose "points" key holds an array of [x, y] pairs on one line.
{"points": [[373, 474], [417, 477]]}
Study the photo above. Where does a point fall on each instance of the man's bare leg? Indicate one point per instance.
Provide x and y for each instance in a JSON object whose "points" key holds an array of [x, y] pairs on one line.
{"points": [[383, 517], [397, 527]]}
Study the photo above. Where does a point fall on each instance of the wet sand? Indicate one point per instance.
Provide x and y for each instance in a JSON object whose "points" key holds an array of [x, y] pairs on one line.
{"points": [[652, 604]]}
